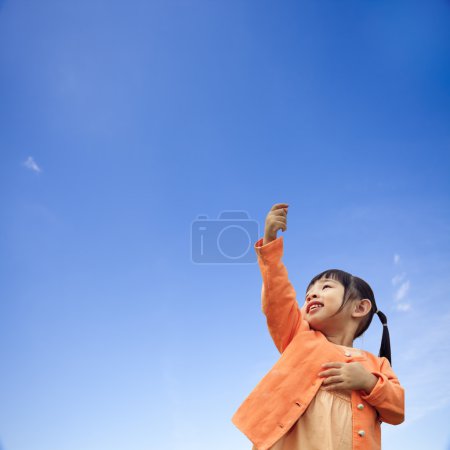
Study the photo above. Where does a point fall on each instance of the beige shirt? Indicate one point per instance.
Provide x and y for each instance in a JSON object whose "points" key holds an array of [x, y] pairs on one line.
{"points": [[325, 425]]}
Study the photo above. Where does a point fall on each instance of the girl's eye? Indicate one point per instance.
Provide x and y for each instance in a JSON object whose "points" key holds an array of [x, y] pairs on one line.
{"points": [[326, 286]]}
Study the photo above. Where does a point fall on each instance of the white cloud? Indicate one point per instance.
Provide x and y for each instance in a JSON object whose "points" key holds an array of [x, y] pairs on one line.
{"points": [[402, 290], [30, 163], [398, 278], [396, 258], [403, 307]]}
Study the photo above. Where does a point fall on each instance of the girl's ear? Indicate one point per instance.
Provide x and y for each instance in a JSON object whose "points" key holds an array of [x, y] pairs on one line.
{"points": [[363, 307]]}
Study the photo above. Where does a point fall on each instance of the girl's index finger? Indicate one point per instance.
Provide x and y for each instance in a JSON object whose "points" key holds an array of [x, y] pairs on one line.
{"points": [[279, 206], [332, 364]]}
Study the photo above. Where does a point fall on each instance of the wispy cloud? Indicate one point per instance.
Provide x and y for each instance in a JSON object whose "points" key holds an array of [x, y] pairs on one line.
{"points": [[402, 285], [398, 278], [403, 307], [401, 292], [31, 164]]}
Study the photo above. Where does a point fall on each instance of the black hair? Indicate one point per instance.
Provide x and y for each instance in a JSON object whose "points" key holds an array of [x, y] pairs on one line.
{"points": [[356, 288]]}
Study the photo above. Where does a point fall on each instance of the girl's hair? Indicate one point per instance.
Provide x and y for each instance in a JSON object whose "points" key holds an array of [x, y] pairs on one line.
{"points": [[356, 288]]}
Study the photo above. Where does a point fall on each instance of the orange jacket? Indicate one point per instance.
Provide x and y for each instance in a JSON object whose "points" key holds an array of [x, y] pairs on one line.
{"points": [[284, 393]]}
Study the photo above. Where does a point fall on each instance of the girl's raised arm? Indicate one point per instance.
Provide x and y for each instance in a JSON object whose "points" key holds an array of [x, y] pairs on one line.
{"points": [[278, 296]]}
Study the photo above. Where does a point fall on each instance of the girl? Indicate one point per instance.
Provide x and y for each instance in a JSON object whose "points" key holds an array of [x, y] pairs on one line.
{"points": [[321, 394]]}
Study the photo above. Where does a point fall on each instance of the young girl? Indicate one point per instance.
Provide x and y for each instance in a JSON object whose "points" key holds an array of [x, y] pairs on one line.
{"points": [[321, 394]]}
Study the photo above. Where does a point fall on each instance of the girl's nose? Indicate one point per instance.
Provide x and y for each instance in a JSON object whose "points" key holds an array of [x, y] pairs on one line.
{"points": [[310, 296]]}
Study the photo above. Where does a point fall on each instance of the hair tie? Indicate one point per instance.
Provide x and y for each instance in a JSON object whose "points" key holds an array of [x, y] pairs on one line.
{"points": [[378, 311]]}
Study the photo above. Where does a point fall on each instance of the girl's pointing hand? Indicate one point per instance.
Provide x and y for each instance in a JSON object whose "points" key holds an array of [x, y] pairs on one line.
{"points": [[351, 375]]}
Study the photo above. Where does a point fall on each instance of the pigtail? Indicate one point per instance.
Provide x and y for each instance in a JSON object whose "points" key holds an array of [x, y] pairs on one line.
{"points": [[385, 348]]}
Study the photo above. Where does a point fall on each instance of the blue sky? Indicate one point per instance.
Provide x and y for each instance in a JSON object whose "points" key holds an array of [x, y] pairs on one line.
{"points": [[121, 123]]}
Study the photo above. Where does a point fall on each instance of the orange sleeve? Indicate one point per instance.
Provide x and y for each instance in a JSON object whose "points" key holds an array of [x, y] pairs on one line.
{"points": [[278, 297], [387, 396]]}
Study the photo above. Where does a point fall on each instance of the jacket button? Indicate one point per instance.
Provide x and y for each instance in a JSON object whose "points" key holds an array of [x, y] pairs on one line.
{"points": [[281, 425], [298, 403], [361, 433], [360, 406]]}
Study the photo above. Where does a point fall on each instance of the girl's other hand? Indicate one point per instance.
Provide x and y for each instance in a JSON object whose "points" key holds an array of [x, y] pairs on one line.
{"points": [[276, 219], [351, 375]]}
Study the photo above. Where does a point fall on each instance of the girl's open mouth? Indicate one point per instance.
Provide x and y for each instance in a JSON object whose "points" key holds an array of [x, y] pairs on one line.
{"points": [[314, 308]]}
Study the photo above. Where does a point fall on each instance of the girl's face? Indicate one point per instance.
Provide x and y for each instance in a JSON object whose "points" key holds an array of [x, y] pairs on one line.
{"points": [[327, 294]]}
